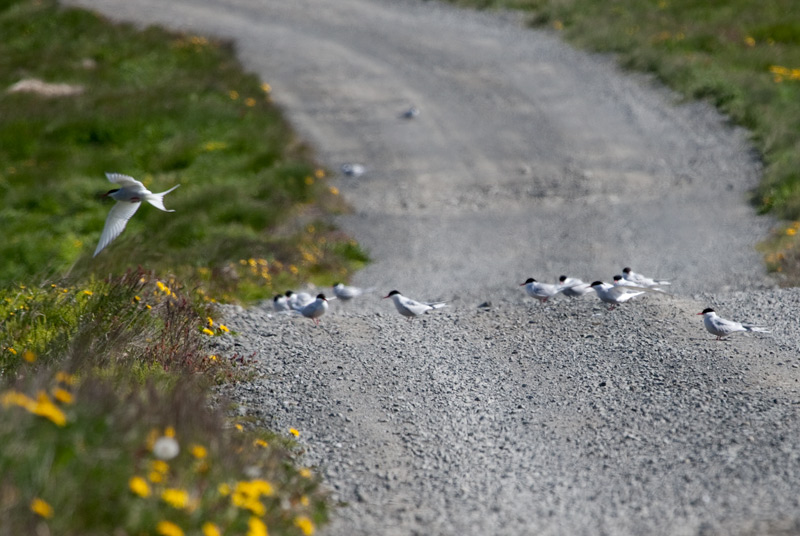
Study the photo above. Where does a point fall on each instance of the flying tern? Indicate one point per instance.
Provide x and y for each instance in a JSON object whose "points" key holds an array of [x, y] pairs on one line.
{"points": [[411, 113], [129, 197], [641, 280], [411, 308], [540, 291], [722, 328], [315, 309]]}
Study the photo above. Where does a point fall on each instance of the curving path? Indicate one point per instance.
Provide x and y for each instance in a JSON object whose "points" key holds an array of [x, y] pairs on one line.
{"points": [[528, 159]]}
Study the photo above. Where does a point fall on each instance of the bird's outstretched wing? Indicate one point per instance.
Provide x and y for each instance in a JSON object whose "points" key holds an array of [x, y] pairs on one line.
{"points": [[123, 180], [115, 223]]}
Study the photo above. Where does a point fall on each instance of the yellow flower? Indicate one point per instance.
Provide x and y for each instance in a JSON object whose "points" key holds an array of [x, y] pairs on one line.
{"points": [[224, 489], [304, 500], [65, 378], [176, 498], [88, 292], [233, 94], [199, 451], [558, 25], [40, 507], [305, 472], [305, 525], [208, 332], [45, 407], [155, 477], [137, 299], [294, 432], [212, 357], [12, 351], [256, 527], [168, 528], [260, 443], [62, 395], [238, 426], [309, 180], [791, 231], [28, 356], [159, 466], [749, 41], [319, 173], [266, 88], [334, 190], [210, 529], [250, 102], [139, 486]]}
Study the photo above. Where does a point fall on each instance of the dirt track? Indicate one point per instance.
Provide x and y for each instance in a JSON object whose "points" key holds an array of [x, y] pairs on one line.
{"points": [[528, 159]]}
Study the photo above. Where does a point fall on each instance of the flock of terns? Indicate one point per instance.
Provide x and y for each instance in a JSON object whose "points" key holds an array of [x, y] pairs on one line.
{"points": [[130, 193], [625, 287]]}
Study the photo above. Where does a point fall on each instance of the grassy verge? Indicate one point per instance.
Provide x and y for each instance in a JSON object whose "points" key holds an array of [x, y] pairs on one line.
{"points": [[741, 55], [105, 375]]}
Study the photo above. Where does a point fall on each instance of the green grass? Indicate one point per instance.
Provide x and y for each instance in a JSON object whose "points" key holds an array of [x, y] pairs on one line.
{"points": [[741, 55], [166, 109], [104, 359]]}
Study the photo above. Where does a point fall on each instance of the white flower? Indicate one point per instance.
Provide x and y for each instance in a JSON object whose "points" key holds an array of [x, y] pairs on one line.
{"points": [[166, 448]]}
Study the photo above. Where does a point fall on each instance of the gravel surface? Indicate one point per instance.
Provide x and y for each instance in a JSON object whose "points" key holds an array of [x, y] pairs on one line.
{"points": [[527, 159]]}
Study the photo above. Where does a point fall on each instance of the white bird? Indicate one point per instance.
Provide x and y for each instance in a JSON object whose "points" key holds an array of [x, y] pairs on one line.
{"points": [[315, 309], [573, 287], [298, 300], [540, 291], [353, 170], [641, 280], [346, 292], [411, 113], [280, 303], [129, 197], [615, 295], [722, 328], [411, 308], [620, 281]]}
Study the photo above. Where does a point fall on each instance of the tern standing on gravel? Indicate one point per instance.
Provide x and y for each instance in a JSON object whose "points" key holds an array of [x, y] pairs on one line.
{"points": [[411, 308], [129, 197], [315, 309], [615, 295], [722, 328], [540, 291], [573, 287]]}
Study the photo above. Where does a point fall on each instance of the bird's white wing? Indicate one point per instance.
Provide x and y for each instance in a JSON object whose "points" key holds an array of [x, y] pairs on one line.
{"points": [[115, 223], [414, 306], [123, 180]]}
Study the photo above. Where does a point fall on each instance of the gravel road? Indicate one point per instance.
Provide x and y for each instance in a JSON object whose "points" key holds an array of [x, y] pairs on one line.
{"points": [[527, 159]]}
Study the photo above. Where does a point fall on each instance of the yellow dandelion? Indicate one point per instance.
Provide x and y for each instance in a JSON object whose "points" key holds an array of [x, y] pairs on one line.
{"points": [[238, 426], [210, 529], [88, 292], [319, 173], [334, 190], [208, 332], [155, 477], [309, 180], [224, 489], [266, 88], [791, 231], [46, 408], [12, 350], [305, 525], [210, 321], [294, 269], [749, 41], [139, 486], [212, 357], [169, 431], [304, 500], [175, 497], [558, 25], [260, 443], [41, 508], [223, 327], [62, 395], [29, 356], [305, 472], [168, 528], [249, 102], [159, 466], [294, 432], [65, 378], [137, 299], [233, 94], [256, 527], [199, 451], [148, 306]]}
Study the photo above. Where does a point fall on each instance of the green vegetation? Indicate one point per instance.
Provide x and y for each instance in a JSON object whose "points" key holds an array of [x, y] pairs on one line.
{"points": [[741, 55], [166, 109], [105, 375]]}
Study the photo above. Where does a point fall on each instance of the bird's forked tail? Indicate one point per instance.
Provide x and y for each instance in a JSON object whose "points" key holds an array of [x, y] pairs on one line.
{"points": [[757, 329], [157, 200]]}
